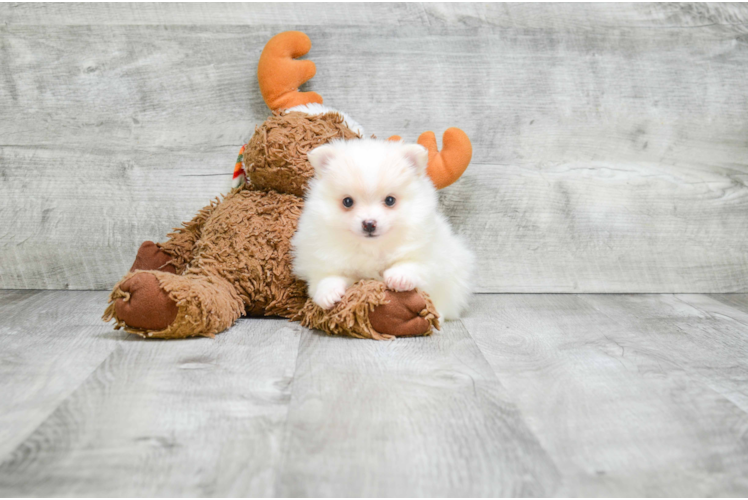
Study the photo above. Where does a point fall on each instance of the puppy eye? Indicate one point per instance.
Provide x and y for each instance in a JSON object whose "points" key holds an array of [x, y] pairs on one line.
{"points": [[347, 202], [389, 201]]}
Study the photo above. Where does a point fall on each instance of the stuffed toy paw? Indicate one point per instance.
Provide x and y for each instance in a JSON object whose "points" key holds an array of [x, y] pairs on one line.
{"points": [[233, 258]]}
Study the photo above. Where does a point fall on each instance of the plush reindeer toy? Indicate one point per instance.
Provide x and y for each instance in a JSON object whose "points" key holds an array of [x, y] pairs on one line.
{"points": [[233, 258]]}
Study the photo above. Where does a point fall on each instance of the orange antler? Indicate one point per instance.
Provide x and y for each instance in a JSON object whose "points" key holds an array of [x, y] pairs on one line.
{"points": [[280, 75], [446, 166]]}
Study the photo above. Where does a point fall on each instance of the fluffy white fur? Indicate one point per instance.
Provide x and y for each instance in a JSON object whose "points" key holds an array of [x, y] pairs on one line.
{"points": [[413, 245]]}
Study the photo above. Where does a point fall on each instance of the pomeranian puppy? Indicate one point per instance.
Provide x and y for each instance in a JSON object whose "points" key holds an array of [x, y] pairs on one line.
{"points": [[372, 212]]}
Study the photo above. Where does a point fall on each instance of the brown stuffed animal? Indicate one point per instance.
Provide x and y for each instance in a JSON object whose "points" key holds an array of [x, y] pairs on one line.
{"points": [[234, 257]]}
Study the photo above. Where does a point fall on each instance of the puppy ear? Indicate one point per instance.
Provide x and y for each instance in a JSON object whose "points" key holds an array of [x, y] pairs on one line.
{"points": [[416, 155], [321, 157]]}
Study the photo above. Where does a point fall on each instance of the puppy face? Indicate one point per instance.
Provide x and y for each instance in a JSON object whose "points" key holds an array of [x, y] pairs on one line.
{"points": [[370, 189]]}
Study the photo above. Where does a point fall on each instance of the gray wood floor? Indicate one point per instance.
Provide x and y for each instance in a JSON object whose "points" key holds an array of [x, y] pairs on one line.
{"points": [[542, 395]]}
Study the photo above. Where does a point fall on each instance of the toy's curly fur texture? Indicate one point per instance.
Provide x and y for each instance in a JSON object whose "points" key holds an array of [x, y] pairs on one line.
{"points": [[234, 257], [351, 316], [275, 157]]}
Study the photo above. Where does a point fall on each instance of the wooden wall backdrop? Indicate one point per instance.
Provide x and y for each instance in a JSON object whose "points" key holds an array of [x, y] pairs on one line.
{"points": [[611, 140]]}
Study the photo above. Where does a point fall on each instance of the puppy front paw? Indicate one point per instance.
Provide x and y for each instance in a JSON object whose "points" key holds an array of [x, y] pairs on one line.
{"points": [[329, 292], [399, 280], [329, 298]]}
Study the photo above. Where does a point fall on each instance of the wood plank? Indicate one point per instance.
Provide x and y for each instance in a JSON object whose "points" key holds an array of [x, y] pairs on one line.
{"points": [[413, 417], [717, 347], [604, 227], [560, 16], [51, 342], [738, 301], [590, 16], [614, 387], [184, 86], [705, 338], [199, 417], [82, 229], [563, 228], [285, 15], [608, 157]]}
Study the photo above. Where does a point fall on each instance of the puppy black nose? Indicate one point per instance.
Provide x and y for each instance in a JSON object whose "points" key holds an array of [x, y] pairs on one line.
{"points": [[369, 226]]}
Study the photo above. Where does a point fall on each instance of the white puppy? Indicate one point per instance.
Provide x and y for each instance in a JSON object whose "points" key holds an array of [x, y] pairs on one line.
{"points": [[372, 212]]}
